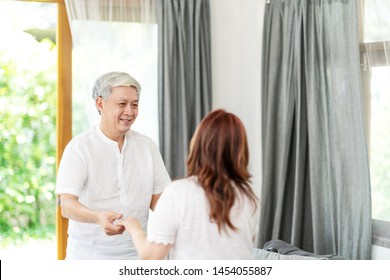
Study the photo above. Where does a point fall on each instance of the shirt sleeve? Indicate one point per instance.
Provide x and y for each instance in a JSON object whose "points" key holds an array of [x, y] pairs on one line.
{"points": [[72, 173], [160, 174], [164, 222]]}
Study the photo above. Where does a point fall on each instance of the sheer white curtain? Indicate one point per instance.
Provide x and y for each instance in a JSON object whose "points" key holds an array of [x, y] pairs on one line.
{"points": [[375, 16], [114, 35]]}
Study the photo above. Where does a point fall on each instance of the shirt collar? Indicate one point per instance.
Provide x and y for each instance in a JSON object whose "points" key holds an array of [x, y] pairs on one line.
{"points": [[108, 140]]}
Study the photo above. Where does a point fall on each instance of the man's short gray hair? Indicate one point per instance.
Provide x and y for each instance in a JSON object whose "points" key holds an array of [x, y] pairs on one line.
{"points": [[104, 84]]}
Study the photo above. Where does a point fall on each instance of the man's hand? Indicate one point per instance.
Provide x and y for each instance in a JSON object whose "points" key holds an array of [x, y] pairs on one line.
{"points": [[71, 208], [107, 219]]}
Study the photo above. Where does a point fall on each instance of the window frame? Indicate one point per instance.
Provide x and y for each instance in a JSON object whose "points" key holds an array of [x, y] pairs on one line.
{"points": [[380, 228], [64, 111]]}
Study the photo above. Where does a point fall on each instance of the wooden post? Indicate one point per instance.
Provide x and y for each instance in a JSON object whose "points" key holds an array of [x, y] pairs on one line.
{"points": [[64, 111]]}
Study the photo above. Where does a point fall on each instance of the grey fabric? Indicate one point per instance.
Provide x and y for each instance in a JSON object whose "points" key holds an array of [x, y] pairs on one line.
{"points": [[316, 185], [261, 254], [184, 76], [284, 248]]}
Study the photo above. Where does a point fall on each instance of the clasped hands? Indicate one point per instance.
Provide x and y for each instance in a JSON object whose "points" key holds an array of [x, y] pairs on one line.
{"points": [[113, 223]]}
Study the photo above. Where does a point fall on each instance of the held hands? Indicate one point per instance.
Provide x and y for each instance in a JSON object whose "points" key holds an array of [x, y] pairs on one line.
{"points": [[131, 224], [109, 222], [113, 224]]}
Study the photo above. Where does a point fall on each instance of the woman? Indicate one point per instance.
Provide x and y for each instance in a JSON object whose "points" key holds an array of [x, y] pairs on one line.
{"points": [[209, 214]]}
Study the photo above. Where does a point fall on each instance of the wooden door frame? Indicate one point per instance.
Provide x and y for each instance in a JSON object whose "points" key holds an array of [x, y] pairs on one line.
{"points": [[64, 111]]}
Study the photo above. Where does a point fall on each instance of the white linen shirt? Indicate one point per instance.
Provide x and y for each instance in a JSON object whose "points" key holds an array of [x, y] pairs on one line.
{"points": [[103, 178], [181, 218]]}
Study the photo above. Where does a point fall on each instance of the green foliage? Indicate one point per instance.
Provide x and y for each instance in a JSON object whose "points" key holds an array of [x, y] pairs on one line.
{"points": [[27, 137]]}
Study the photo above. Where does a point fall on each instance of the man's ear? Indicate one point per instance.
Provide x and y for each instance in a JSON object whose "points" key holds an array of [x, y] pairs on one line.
{"points": [[99, 103]]}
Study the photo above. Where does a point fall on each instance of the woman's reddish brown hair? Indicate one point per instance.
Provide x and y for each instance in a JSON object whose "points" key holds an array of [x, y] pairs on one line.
{"points": [[219, 157]]}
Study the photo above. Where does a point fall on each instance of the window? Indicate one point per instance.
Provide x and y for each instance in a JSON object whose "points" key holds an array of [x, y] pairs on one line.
{"points": [[63, 107], [28, 87], [118, 46], [375, 57], [380, 142]]}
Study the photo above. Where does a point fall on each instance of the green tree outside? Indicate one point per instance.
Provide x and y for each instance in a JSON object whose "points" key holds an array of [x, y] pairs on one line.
{"points": [[27, 138]]}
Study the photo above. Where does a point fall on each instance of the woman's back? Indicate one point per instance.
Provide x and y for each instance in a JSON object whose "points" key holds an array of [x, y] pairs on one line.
{"points": [[209, 214], [182, 218]]}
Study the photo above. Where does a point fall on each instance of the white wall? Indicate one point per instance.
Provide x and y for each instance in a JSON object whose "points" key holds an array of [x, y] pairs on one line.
{"points": [[236, 28]]}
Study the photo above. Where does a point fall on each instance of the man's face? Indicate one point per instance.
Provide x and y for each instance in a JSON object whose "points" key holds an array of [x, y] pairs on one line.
{"points": [[119, 111]]}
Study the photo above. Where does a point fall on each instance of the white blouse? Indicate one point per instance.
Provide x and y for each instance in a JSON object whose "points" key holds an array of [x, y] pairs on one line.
{"points": [[181, 218]]}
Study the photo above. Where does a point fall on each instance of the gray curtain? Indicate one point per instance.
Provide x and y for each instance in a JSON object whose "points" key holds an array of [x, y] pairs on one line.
{"points": [[316, 185], [184, 76]]}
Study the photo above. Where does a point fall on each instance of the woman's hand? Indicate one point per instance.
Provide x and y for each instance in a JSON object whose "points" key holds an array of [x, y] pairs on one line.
{"points": [[131, 224], [146, 250]]}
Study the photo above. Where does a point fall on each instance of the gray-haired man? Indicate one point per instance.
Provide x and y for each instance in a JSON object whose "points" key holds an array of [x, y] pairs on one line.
{"points": [[109, 172]]}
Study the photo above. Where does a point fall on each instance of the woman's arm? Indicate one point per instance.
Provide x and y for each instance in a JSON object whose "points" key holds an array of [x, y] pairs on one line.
{"points": [[146, 250]]}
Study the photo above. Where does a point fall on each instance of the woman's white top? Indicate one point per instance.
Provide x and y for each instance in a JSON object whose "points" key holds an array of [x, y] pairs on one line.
{"points": [[181, 218], [103, 178]]}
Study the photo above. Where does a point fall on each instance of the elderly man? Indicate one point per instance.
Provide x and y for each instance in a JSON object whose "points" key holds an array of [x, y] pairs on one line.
{"points": [[109, 172]]}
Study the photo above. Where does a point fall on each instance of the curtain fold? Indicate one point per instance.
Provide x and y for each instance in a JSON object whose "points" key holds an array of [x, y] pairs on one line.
{"points": [[184, 76], [316, 185]]}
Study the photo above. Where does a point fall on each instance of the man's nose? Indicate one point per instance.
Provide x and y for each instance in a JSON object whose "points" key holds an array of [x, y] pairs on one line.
{"points": [[129, 110]]}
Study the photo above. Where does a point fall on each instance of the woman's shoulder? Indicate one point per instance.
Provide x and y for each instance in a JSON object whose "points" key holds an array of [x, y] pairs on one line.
{"points": [[184, 185], [185, 193], [187, 181]]}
